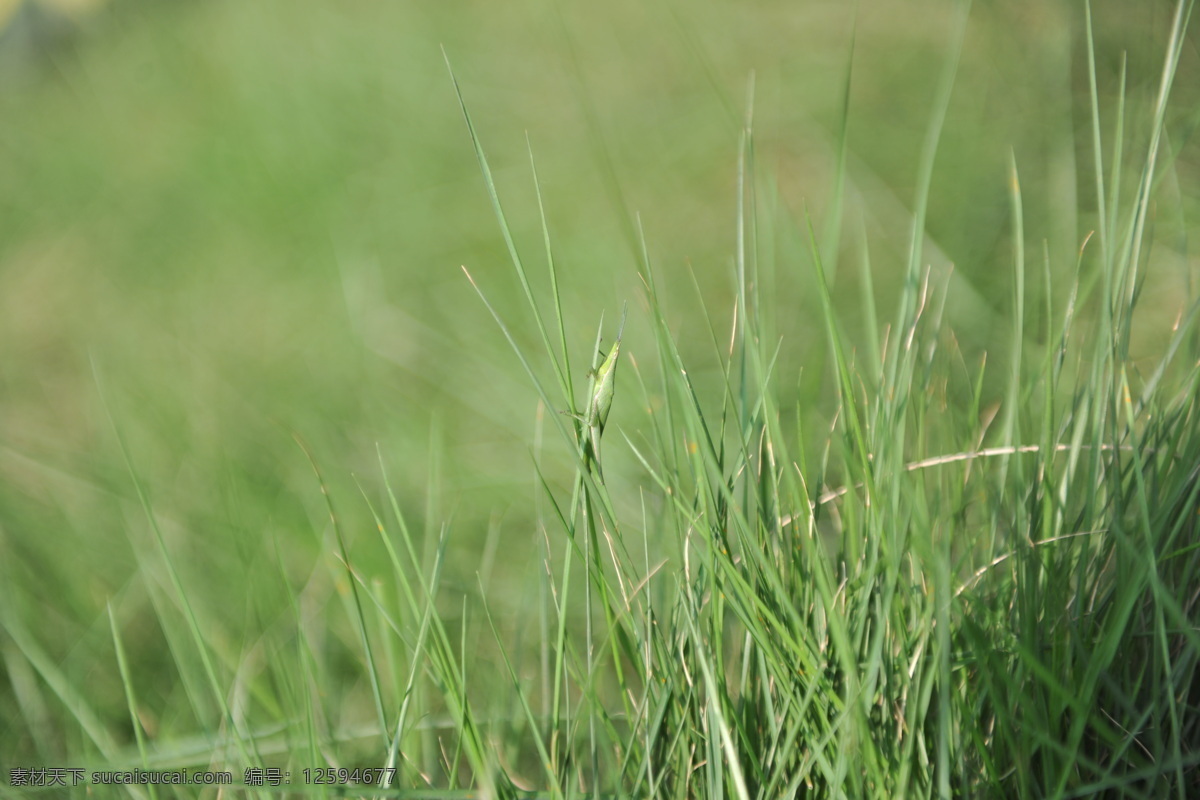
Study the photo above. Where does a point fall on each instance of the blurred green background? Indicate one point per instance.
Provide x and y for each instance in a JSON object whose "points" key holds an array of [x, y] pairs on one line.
{"points": [[227, 224]]}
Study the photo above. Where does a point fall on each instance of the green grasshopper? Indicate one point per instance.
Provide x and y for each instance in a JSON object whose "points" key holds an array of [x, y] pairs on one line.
{"points": [[600, 403]]}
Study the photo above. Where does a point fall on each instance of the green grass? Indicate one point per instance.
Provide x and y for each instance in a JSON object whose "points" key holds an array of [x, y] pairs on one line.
{"points": [[863, 529]]}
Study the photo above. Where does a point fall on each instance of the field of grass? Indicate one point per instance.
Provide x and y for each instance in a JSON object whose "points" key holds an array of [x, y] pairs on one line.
{"points": [[900, 491]]}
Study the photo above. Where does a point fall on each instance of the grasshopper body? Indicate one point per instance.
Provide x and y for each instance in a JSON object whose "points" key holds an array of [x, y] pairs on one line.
{"points": [[600, 403]]}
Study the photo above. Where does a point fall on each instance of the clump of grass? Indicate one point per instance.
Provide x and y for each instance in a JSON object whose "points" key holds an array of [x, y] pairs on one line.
{"points": [[949, 618]]}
